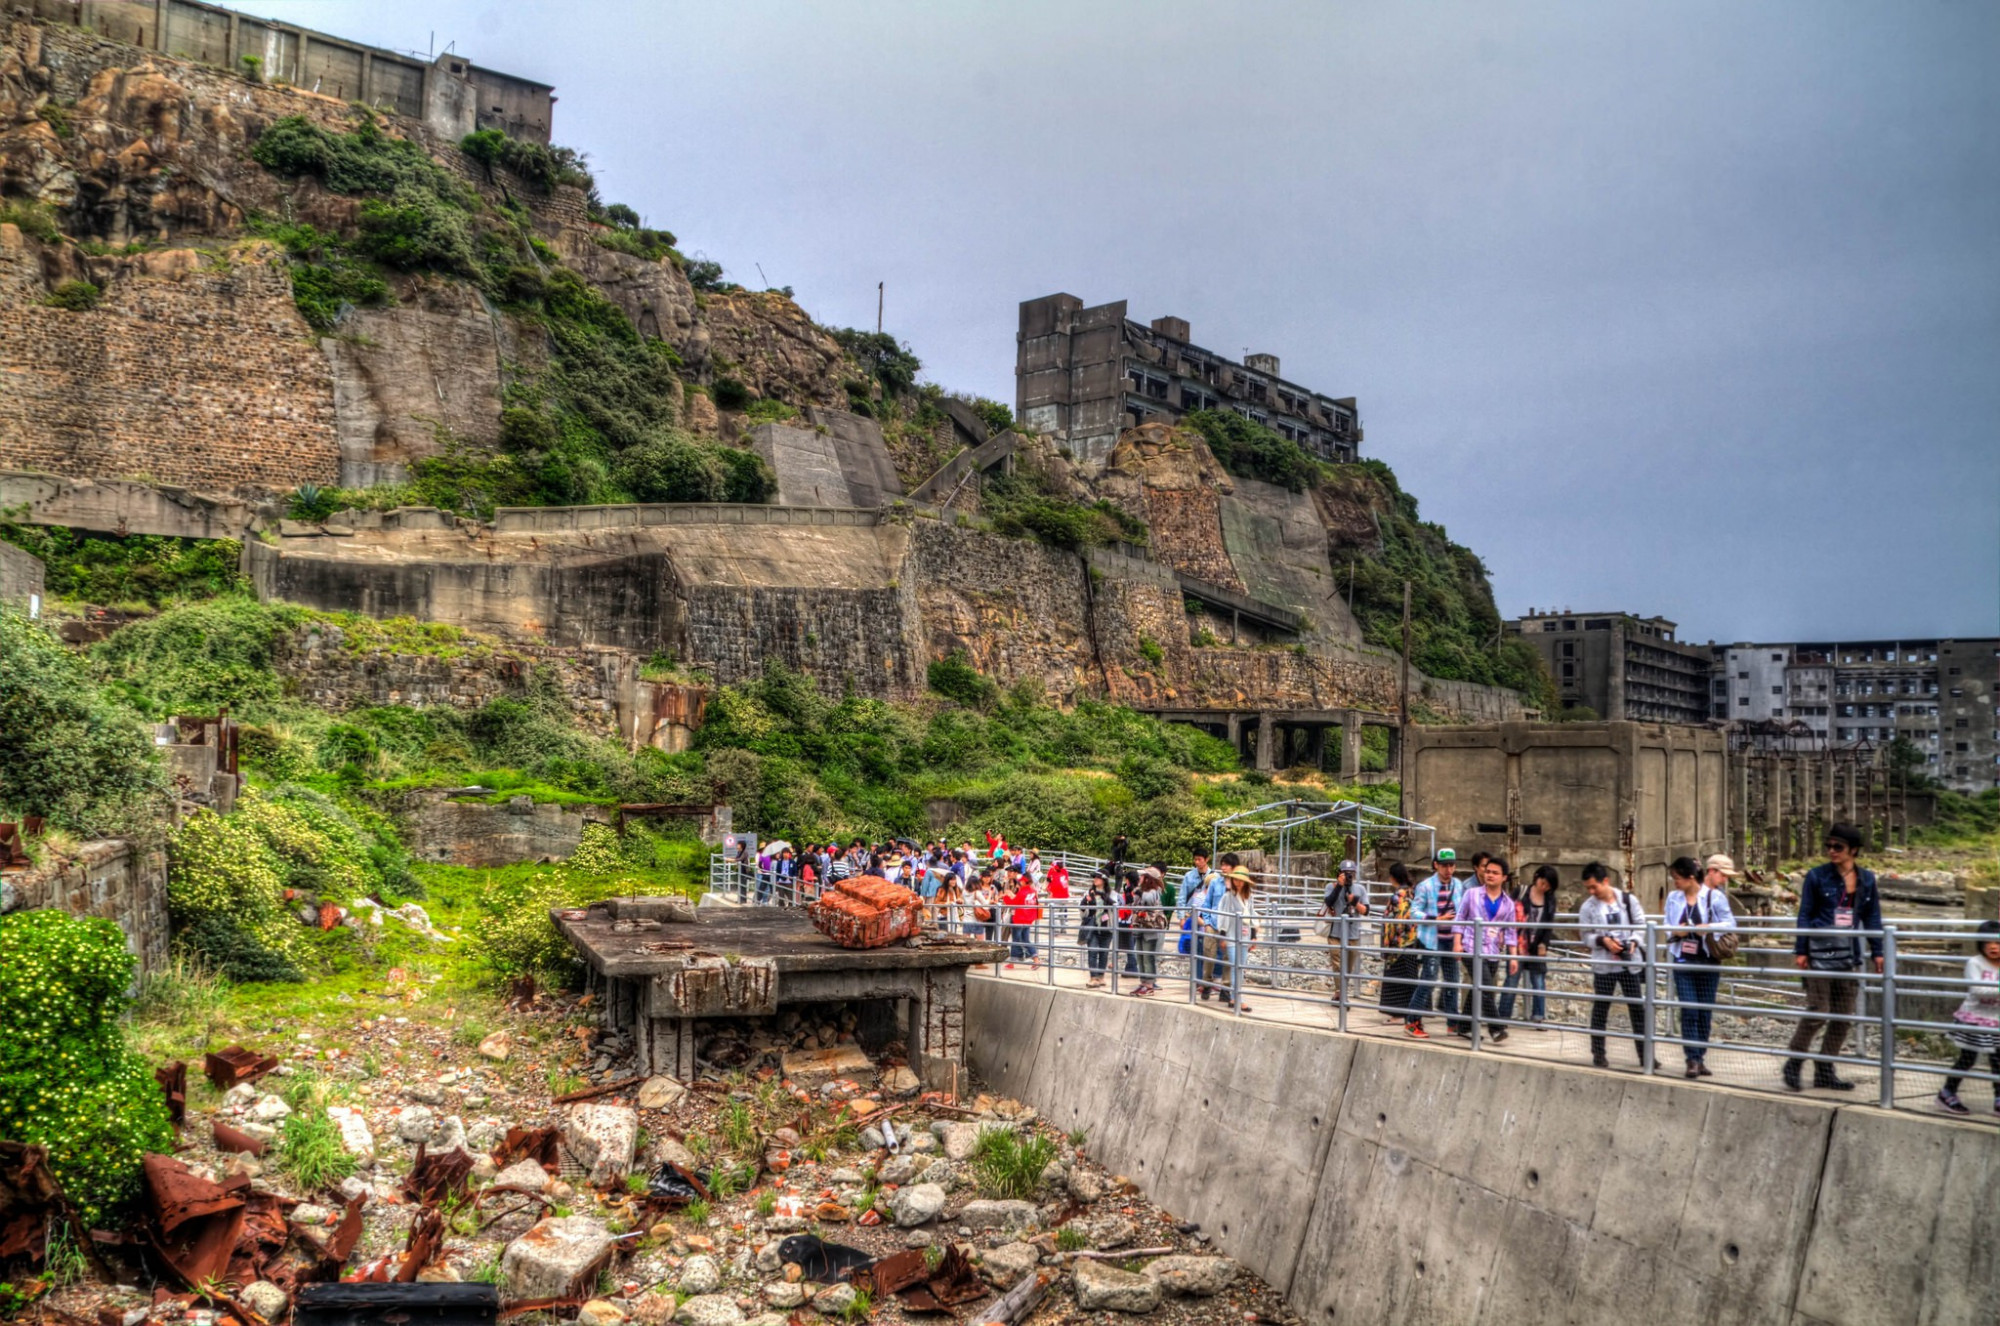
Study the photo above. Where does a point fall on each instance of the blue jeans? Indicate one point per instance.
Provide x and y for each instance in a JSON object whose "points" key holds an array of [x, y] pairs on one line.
{"points": [[1447, 1000], [1021, 947], [1695, 985], [1427, 974], [1536, 977]]}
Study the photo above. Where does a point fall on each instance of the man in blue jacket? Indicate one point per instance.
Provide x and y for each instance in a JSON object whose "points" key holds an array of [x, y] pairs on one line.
{"points": [[1837, 901]]}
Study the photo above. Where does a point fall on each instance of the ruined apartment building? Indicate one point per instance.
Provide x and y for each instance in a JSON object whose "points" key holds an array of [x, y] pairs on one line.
{"points": [[449, 93], [1621, 666], [1938, 695], [1087, 374]]}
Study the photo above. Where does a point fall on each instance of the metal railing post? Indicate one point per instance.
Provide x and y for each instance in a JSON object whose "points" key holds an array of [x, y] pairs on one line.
{"points": [[1649, 971], [1887, 1050], [1117, 955], [1049, 928], [1340, 978], [1472, 998]]}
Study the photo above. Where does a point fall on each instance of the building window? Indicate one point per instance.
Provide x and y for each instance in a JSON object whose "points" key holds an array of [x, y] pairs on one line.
{"points": [[1777, 658], [1743, 701], [1777, 690], [1569, 649]]}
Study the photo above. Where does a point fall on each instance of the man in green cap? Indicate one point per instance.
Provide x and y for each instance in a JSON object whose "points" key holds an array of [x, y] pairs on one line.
{"points": [[1437, 900]]}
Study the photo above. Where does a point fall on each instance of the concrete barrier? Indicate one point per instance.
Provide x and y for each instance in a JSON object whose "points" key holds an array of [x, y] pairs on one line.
{"points": [[1374, 1181]]}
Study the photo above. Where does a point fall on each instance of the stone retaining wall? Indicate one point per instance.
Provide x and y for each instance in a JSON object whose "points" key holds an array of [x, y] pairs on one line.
{"points": [[112, 879]]}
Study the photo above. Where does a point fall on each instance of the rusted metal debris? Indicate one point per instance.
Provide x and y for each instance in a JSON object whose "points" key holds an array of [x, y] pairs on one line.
{"points": [[867, 913], [30, 1198], [438, 1175], [355, 1304], [192, 1223], [521, 992], [921, 1289], [230, 1140], [425, 1241], [540, 1145], [592, 1093], [173, 1080], [331, 1256], [226, 1068]]}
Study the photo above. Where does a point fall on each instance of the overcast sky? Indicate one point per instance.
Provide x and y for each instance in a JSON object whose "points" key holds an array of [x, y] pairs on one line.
{"points": [[1690, 309]]}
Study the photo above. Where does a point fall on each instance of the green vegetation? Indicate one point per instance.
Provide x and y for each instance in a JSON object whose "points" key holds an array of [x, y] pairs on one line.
{"points": [[67, 1081], [1032, 503], [36, 220], [69, 751], [544, 167], [133, 571], [1252, 451], [1008, 1164], [76, 296], [880, 355], [1071, 1239], [309, 1150]]}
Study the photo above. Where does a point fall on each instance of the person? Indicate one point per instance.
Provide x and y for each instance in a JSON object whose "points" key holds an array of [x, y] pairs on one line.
{"points": [[809, 876], [1236, 927], [1025, 911], [1194, 882], [1696, 908], [984, 903], [948, 909], [1401, 964], [1120, 849], [1058, 889], [1095, 931], [1537, 906], [1976, 1025], [1614, 927], [1127, 931], [1437, 907], [1346, 897], [1838, 897], [1488, 940], [1208, 938], [1148, 920]]}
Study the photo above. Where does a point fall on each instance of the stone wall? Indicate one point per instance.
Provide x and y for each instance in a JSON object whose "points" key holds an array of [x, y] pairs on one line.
{"points": [[474, 833], [22, 578], [187, 373], [1019, 610], [112, 879]]}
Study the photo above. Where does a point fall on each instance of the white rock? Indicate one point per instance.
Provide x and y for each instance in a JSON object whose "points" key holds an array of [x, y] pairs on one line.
{"points": [[351, 1188], [710, 1310], [270, 1109], [416, 1123], [916, 1204], [449, 1135], [660, 1092], [833, 1300], [699, 1275], [239, 1097], [547, 1260], [597, 1312], [1111, 1232], [355, 1138], [522, 1176], [1192, 1277], [920, 1143], [310, 1213], [784, 1294], [265, 1299], [1084, 1185], [1100, 1286], [902, 1169], [767, 1261], [998, 1215], [497, 1046], [900, 1082], [1005, 1265], [601, 1138], [871, 1138]]}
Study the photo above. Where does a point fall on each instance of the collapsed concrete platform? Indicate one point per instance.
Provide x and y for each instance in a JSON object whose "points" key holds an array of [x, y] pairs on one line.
{"points": [[665, 967]]}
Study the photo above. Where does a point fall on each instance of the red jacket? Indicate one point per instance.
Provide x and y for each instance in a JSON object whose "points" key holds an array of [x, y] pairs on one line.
{"points": [[1058, 880], [1024, 902]]}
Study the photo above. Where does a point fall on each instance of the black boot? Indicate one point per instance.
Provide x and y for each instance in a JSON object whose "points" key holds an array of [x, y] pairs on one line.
{"points": [[1792, 1075], [1824, 1079]]}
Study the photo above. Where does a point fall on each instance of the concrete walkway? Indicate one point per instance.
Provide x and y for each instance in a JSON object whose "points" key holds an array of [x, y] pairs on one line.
{"points": [[1565, 1038]]}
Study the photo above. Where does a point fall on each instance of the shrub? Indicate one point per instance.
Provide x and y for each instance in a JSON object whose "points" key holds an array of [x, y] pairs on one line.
{"points": [[705, 275], [882, 356], [954, 677], [1009, 1165], [197, 657], [416, 230], [730, 394], [672, 468], [1254, 451], [516, 936], [107, 568], [67, 1081], [310, 1150], [323, 291], [365, 160], [597, 852], [68, 751], [34, 219], [76, 296], [225, 892]]}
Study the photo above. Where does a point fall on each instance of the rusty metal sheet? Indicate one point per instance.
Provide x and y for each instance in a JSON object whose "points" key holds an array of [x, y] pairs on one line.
{"points": [[30, 1198], [173, 1080], [425, 1242], [710, 985], [920, 1290], [438, 1175], [225, 1068], [192, 1223], [232, 1140], [540, 1145]]}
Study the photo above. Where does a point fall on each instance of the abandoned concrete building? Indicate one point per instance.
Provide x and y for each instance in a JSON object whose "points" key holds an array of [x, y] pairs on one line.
{"points": [[1938, 695], [448, 92], [1621, 666], [1086, 374]]}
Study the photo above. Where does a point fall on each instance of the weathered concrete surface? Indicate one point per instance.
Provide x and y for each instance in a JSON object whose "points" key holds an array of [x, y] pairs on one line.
{"points": [[126, 506], [1377, 1181], [476, 833], [22, 576], [109, 878]]}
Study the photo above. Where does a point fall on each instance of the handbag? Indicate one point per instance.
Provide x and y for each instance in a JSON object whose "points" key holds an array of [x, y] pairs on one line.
{"points": [[1323, 927], [982, 913]]}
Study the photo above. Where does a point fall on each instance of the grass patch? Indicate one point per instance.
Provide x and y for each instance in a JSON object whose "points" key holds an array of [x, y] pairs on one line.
{"points": [[309, 1151], [1071, 1239], [1009, 1165]]}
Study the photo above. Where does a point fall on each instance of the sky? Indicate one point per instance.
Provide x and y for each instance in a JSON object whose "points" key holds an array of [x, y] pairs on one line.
{"points": [[1689, 309]]}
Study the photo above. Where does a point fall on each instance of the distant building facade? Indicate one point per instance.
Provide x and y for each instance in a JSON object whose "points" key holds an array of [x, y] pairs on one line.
{"points": [[1086, 374], [1621, 666], [449, 93]]}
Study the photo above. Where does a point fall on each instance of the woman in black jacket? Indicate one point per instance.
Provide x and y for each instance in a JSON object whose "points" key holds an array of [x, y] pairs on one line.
{"points": [[1838, 899], [1099, 905]]}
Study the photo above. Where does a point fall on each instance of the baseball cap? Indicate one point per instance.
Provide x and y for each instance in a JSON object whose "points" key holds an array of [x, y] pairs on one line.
{"points": [[1445, 854], [1350, 867], [1722, 863]]}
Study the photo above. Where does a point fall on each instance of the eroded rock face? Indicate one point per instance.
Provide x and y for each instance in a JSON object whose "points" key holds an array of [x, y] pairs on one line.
{"points": [[552, 1256]]}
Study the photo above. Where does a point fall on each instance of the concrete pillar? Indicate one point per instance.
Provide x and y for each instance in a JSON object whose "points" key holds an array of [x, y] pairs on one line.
{"points": [[1350, 745], [1267, 742]]}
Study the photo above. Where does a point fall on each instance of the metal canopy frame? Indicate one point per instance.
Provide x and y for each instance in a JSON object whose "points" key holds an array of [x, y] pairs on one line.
{"points": [[1282, 817]]}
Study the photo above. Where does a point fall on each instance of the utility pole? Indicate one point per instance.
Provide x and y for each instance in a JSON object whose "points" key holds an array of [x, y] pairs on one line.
{"points": [[878, 308], [1403, 717]]}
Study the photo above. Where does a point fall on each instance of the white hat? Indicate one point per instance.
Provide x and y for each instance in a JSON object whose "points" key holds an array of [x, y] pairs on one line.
{"points": [[1722, 863]]}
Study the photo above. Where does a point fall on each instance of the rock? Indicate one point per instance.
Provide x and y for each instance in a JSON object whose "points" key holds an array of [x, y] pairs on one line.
{"points": [[522, 1176], [667, 1151], [833, 1300], [270, 1109], [601, 1138], [449, 1135], [916, 1204], [351, 1188], [597, 1312], [962, 1139], [783, 1294], [654, 1310], [310, 1213], [902, 1169], [1100, 1286], [423, 1093], [872, 1139], [239, 1097], [1052, 1174], [919, 1238], [1005, 1265], [920, 1143], [439, 1273], [416, 1123], [265, 1299], [807, 1067], [710, 1310], [1085, 1186], [497, 1046], [484, 1170], [1111, 1232], [900, 1081], [263, 1132], [699, 1275], [660, 1092], [766, 1259], [244, 1164], [1191, 1277], [998, 1215], [846, 1176], [558, 1191], [551, 1257], [355, 1138]]}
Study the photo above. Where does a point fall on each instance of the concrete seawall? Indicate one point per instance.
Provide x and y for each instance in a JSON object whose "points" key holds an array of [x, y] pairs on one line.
{"points": [[1379, 1182]]}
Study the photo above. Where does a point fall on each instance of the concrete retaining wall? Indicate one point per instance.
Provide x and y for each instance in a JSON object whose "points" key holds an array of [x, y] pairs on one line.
{"points": [[1374, 1181]]}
